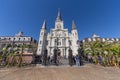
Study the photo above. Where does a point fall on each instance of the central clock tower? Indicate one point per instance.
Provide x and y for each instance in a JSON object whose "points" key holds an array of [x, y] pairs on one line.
{"points": [[59, 21]]}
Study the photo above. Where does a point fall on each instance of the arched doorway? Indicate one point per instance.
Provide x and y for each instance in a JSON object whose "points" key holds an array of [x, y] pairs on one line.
{"points": [[59, 52]]}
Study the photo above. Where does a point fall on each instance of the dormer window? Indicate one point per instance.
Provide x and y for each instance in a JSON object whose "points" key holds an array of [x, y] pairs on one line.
{"points": [[9, 38], [14, 38], [89, 39], [103, 39], [24, 38], [94, 39]]}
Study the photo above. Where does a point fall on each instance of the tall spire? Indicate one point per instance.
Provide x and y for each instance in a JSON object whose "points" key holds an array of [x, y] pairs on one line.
{"points": [[44, 25], [73, 25], [59, 18]]}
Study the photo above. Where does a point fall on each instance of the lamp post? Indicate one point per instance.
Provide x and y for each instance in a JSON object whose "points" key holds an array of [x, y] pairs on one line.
{"points": [[70, 57], [80, 52], [55, 53], [65, 48], [45, 57]]}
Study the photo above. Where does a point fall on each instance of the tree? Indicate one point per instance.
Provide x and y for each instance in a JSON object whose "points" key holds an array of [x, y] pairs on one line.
{"points": [[11, 60], [5, 54], [20, 60]]}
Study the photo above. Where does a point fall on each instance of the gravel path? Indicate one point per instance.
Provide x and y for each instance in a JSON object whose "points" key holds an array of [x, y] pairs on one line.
{"points": [[86, 72]]}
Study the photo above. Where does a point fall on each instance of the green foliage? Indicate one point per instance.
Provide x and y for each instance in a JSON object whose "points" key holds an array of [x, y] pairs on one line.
{"points": [[9, 52], [109, 51], [100, 47]]}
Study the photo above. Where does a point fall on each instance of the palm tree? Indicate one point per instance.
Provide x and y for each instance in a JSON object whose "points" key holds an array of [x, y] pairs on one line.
{"points": [[93, 48], [110, 51], [12, 52], [116, 52], [20, 60], [1, 55], [5, 54], [11, 57]]}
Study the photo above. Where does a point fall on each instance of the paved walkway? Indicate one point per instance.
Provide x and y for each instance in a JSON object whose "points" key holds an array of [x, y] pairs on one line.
{"points": [[86, 72]]}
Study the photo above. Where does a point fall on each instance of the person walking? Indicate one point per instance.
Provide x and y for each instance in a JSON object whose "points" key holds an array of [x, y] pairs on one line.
{"points": [[51, 59], [77, 60]]}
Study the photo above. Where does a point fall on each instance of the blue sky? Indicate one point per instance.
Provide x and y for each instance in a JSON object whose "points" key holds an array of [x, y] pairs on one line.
{"points": [[91, 16]]}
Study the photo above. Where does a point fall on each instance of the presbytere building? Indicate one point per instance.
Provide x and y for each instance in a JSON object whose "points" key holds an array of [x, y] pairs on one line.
{"points": [[98, 38]]}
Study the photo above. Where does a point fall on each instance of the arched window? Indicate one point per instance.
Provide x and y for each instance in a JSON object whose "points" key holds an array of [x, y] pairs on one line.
{"points": [[77, 42], [59, 34], [52, 34], [59, 42], [41, 33], [64, 41], [47, 42], [65, 34], [40, 42], [19, 39], [57, 26], [70, 42], [55, 42]]}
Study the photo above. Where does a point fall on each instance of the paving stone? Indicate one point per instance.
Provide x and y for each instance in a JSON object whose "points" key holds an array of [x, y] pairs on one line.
{"points": [[86, 72]]}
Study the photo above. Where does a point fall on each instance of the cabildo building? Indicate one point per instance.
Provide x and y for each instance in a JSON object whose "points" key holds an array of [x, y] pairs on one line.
{"points": [[59, 38], [15, 43]]}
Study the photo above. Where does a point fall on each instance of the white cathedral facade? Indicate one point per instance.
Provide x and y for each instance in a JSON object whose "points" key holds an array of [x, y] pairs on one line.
{"points": [[58, 38]]}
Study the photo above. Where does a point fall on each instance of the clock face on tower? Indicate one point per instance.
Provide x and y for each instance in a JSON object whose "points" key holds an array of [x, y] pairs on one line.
{"points": [[59, 26], [58, 33]]}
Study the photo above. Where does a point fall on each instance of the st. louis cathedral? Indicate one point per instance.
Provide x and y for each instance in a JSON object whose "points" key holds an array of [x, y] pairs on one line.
{"points": [[58, 38]]}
